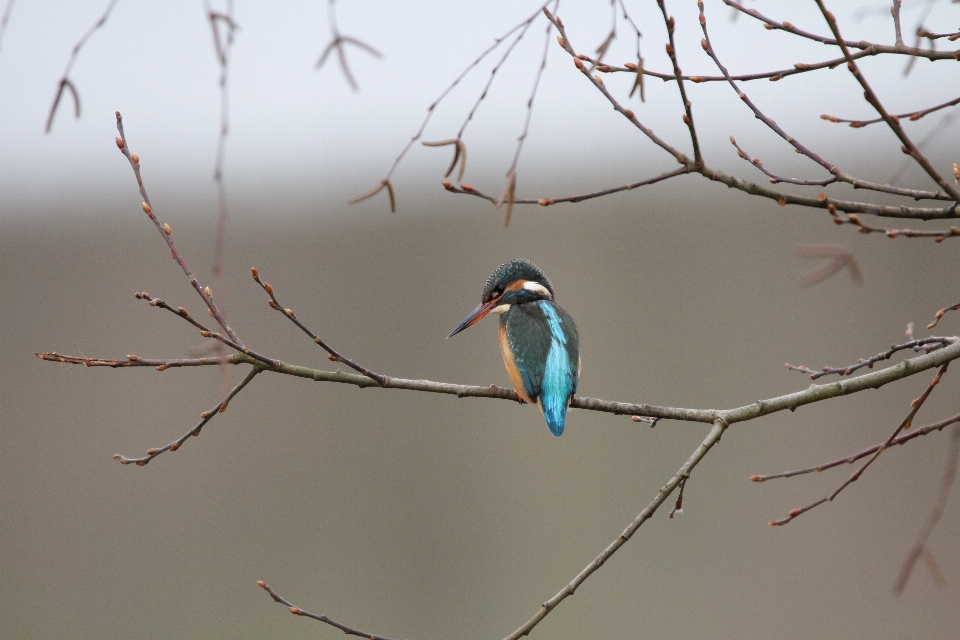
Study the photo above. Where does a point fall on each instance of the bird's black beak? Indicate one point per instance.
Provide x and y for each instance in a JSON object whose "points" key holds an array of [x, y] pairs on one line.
{"points": [[475, 316]]}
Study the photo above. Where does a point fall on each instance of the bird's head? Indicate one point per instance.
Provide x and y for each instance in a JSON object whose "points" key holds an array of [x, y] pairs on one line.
{"points": [[514, 282]]}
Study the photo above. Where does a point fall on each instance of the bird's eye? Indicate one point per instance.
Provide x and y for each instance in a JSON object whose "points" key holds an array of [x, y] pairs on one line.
{"points": [[500, 288]]}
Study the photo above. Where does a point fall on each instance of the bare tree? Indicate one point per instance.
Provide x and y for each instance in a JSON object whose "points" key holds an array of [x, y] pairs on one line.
{"points": [[872, 214]]}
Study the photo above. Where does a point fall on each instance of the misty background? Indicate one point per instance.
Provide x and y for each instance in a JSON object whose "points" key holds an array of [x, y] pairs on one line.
{"points": [[424, 516]]}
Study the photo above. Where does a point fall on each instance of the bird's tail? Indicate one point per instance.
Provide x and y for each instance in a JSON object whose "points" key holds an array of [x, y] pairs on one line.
{"points": [[555, 414]]}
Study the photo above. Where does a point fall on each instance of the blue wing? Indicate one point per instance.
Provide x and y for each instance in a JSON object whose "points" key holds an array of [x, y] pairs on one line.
{"points": [[544, 349]]}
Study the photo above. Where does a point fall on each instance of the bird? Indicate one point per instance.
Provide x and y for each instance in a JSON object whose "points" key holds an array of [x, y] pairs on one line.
{"points": [[538, 339]]}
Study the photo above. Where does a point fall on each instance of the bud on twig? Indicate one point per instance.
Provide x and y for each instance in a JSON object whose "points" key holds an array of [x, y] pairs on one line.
{"points": [[254, 272], [119, 143]]}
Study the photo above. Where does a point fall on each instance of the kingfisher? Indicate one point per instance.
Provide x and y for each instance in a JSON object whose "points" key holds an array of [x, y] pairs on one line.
{"points": [[538, 339]]}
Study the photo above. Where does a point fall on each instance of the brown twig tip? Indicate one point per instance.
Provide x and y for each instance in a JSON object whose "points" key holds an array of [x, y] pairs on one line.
{"points": [[756, 478], [447, 185], [262, 584], [254, 273]]}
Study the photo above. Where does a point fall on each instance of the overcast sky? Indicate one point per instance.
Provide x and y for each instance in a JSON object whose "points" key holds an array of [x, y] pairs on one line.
{"points": [[293, 125]]}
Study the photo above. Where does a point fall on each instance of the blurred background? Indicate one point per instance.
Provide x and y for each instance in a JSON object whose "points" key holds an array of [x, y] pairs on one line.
{"points": [[424, 516]]}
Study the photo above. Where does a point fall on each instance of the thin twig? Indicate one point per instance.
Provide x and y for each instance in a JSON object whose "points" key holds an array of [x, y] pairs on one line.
{"points": [[65, 83], [905, 424], [912, 52], [929, 344], [290, 315], [167, 234], [941, 313], [908, 146], [914, 433], [687, 105], [385, 182], [297, 611], [719, 426], [911, 116], [920, 547], [895, 12], [546, 202], [205, 332], [205, 417]]}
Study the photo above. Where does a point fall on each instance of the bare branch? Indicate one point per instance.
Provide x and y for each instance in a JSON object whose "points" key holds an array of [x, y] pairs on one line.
{"points": [[205, 417], [167, 234], [927, 344], [297, 611], [290, 315], [908, 146], [916, 433], [905, 424]]}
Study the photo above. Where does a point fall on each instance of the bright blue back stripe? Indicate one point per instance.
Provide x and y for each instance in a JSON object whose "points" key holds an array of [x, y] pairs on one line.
{"points": [[557, 378]]}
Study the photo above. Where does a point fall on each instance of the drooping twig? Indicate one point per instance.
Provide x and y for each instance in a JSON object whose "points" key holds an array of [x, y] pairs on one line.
{"points": [[901, 439], [920, 546], [335, 356], [905, 424], [65, 82], [509, 192], [5, 19], [297, 611], [459, 155], [338, 42], [929, 344], [385, 182], [205, 417], [223, 45]]}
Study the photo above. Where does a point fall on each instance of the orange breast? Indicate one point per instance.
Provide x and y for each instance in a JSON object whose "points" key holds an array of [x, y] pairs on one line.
{"points": [[515, 378]]}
